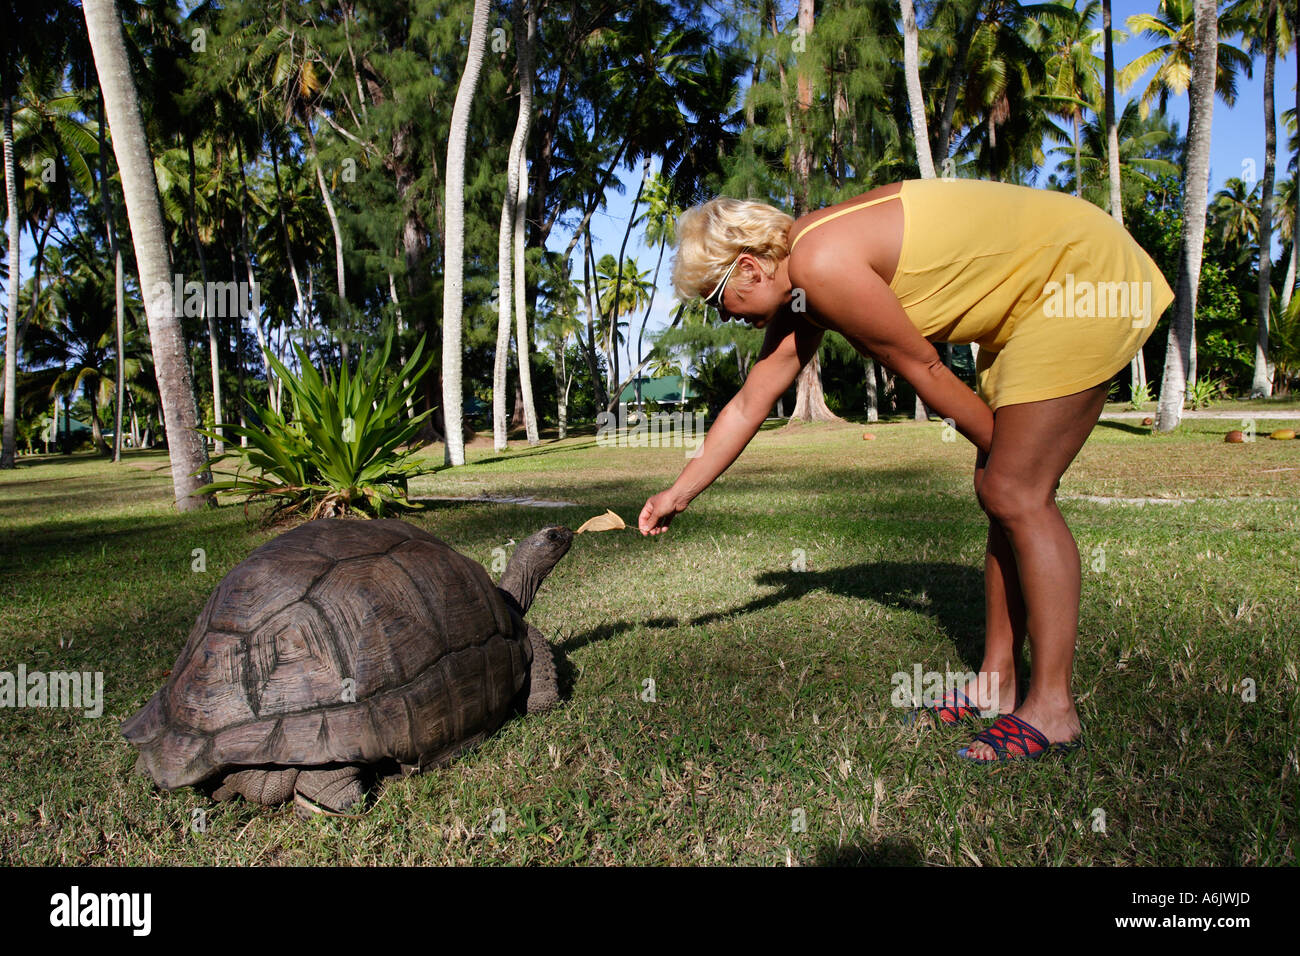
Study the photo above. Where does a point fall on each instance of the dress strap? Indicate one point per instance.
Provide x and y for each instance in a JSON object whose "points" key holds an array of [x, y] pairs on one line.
{"points": [[844, 212]]}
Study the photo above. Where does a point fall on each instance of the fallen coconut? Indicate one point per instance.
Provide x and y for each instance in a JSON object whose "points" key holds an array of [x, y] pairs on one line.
{"points": [[1234, 437], [867, 436], [1283, 434], [1148, 421]]}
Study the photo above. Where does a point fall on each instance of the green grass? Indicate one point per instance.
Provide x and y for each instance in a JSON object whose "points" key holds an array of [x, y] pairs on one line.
{"points": [[772, 685]]}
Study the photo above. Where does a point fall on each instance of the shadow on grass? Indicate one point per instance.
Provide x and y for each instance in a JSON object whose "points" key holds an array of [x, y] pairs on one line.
{"points": [[890, 851], [1122, 426], [951, 594]]}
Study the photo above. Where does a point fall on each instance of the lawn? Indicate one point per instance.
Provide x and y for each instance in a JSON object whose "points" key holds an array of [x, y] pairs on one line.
{"points": [[770, 738]]}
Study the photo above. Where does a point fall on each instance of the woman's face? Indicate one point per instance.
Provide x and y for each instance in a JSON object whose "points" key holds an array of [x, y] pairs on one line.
{"points": [[752, 295]]}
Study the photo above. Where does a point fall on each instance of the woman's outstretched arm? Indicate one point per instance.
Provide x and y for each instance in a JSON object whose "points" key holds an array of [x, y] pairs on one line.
{"points": [[788, 346]]}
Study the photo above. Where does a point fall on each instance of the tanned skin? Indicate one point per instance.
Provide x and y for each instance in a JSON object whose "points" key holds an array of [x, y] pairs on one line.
{"points": [[1031, 563]]}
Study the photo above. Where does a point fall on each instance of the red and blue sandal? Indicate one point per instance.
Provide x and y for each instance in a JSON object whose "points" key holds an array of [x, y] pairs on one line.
{"points": [[956, 708], [1008, 732]]}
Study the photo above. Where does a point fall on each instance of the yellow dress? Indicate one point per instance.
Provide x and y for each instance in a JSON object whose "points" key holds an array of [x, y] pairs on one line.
{"points": [[1056, 294]]}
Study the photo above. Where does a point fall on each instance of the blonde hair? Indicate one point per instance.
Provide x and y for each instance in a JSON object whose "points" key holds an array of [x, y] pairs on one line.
{"points": [[712, 234]]}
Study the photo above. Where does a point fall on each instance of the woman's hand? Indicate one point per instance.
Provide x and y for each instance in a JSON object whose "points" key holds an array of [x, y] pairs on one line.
{"points": [[659, 512]]}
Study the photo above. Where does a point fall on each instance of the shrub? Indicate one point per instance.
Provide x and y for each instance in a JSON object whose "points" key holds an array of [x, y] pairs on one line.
{"points": [[339, 453]]}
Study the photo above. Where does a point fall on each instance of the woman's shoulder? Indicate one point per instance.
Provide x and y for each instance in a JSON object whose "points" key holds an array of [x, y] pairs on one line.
{"points": [[810, 220]]}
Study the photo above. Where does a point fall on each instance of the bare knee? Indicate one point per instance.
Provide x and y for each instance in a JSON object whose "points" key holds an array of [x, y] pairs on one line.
{"points": [[1008, 500]]}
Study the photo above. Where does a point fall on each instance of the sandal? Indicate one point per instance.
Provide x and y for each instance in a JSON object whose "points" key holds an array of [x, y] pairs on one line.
{"points": [[1010, 731], [957, 707]]}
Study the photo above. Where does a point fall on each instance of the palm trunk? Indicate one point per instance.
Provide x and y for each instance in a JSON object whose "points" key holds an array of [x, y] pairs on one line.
{"points": [[1180, 350], [454, 253], [214, 352], [106, 207], [525, 396], [588, 295], [1288, 284], [526, 30], [1137, 367], [810, 400], [1078, 158], [11, 323], [339, 271], [505, 302], [912, 68], [189, 462], [288, 246], [1262, 386], [512, 216], [956, 79], [873, 407]]}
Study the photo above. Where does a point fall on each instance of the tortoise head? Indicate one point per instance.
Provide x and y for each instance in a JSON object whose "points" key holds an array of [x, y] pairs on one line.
{"points": [[532, 562]]}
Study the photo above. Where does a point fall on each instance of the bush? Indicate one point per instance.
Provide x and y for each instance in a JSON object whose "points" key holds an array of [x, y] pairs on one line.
{"points": [[339, 453]]}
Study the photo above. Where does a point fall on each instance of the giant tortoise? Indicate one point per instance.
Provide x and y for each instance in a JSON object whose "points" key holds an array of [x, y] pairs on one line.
{"points": [[344, 645]]}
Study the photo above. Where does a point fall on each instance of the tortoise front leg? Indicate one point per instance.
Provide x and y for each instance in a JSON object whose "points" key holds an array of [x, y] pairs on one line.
{"points": [[543, 687], [267, 787]]}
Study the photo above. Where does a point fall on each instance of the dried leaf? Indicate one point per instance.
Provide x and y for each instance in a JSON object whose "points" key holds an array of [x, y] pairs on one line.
{"points": [[606, 522]]}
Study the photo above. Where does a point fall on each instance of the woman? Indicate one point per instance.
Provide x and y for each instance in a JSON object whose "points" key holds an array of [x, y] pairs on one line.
{"points": [[1057, 296]]}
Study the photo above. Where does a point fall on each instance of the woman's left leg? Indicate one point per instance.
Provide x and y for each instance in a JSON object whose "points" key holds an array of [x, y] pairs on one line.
{"points": [[1033, 443]]}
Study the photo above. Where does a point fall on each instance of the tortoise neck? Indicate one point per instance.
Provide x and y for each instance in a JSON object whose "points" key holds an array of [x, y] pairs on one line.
{"points": [[520, 586]]}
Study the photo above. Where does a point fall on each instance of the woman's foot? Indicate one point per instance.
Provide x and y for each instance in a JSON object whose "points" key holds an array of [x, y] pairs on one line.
{"points": [[1058, 724], [994, 689], [992, 692]]}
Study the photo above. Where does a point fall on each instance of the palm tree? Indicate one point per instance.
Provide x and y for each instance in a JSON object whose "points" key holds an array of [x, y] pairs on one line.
{"points": [[453, 289], [632, 288], [1139, 158], [189, 461], [76, 338], [1173, 28], [51, 150], [1276, 32], [1180, 352], [1235, 212], [1074, 83]]}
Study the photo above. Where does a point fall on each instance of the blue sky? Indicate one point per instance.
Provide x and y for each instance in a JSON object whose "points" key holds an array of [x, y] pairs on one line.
{"points": [[1237, 146]]}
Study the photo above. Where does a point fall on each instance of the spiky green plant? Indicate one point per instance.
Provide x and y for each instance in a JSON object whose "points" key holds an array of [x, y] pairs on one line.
{"points": [[339, 452]]}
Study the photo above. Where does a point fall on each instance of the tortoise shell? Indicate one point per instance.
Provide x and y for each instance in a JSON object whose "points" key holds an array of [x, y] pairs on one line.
{"points": [[339, 641]]}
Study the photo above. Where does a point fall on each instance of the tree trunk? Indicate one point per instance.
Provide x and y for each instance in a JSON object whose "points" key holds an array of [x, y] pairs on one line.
{"points": [[1180, 349], [810, 400], [1112, 126], [1288, 284], [589, 295], [510, 249], [912, 68], [144, 211], [453, 289], [339, 271], [214, 353], [873, 407], [1078, 158], [11, 316], [1262, 386], [956, 79], [525, 26], [1137, 368]]}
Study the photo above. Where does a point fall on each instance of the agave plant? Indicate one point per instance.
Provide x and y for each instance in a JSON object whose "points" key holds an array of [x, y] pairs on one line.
{"points": [[339, 452]]}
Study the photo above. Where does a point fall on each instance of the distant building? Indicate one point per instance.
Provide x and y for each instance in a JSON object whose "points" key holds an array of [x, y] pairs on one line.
{"points": [[666, 390]]}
